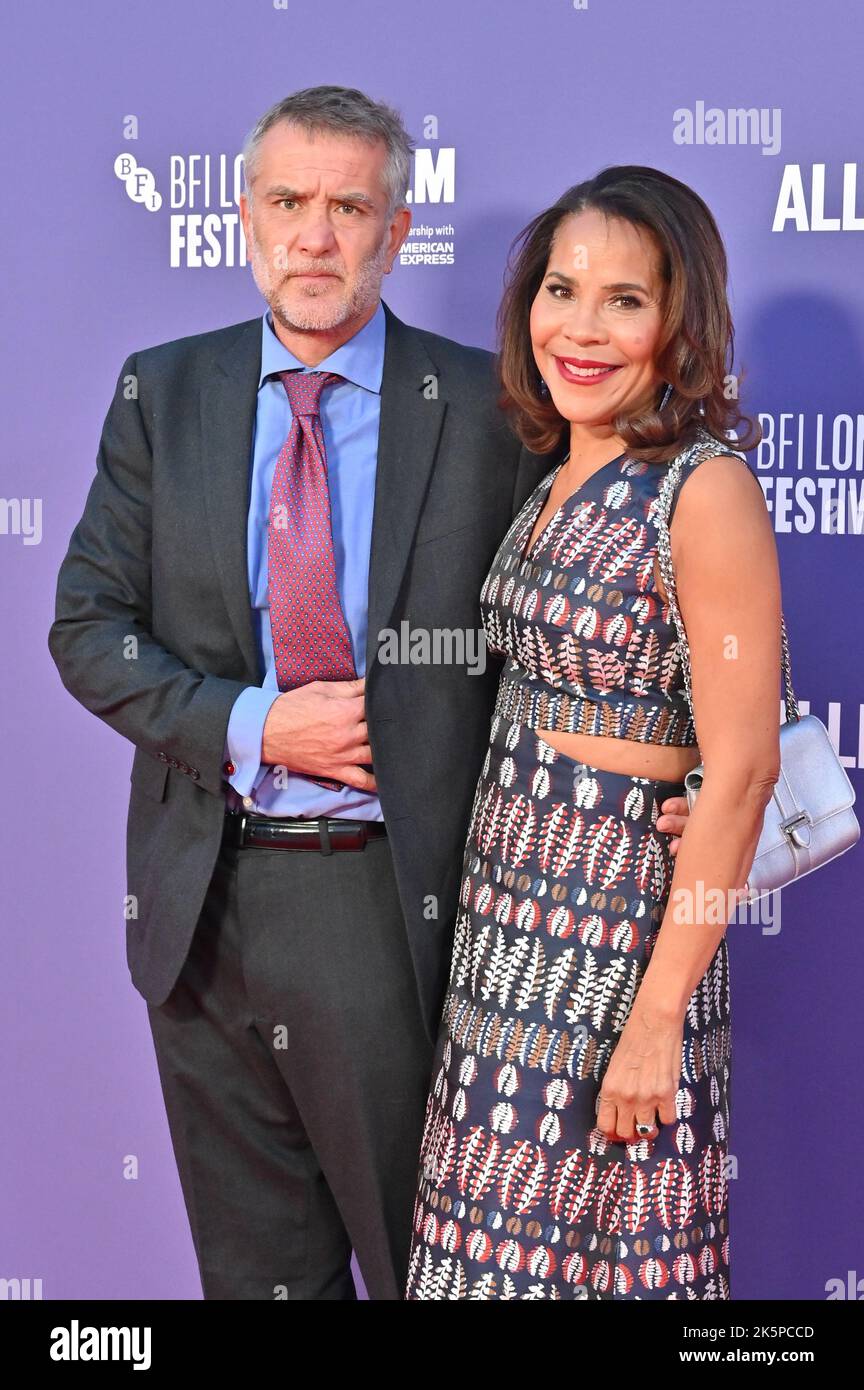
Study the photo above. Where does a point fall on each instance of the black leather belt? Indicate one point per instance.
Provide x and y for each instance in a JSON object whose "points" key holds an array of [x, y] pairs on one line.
{"points": [[324, 834]]}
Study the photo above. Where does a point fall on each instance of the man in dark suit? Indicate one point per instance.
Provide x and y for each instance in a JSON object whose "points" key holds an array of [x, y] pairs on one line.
{"points": [[293, 988]]}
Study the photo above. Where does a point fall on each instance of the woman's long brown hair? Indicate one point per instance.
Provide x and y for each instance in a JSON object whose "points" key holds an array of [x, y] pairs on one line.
{"points": [[696, 345]]}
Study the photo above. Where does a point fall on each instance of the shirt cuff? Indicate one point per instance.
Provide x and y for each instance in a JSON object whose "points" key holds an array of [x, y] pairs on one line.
{"points": [[243, 737]]}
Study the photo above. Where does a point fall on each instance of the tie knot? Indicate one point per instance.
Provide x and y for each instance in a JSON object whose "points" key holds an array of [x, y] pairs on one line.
{"points": [[304, 389]]}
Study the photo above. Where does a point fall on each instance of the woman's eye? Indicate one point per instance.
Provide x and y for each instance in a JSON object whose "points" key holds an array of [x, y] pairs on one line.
{"points": [[628, 300]]}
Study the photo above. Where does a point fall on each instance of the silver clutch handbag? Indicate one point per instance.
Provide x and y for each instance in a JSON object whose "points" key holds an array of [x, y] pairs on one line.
{"points": [[809, 819]]}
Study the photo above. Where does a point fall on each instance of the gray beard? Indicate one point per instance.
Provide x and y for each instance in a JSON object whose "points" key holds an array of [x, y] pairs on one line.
{"points": [[365, 291]]}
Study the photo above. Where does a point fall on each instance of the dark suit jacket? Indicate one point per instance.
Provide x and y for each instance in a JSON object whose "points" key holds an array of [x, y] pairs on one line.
{"points": [[153, 628]]}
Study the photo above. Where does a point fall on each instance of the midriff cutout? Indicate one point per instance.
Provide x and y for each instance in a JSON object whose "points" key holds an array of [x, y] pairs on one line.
{"points": [[660, 762]]}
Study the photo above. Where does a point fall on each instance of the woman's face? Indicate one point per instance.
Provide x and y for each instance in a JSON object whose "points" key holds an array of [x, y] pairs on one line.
{"points": [[596, 319]]}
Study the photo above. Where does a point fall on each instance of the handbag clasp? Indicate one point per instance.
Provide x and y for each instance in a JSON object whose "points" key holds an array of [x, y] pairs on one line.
{"points": [[790, 827]]}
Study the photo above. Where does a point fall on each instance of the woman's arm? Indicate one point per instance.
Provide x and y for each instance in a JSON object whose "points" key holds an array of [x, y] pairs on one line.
{"points": [[728, 585]]}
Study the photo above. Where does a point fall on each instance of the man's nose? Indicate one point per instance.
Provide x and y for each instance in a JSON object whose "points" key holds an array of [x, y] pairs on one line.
{"points": [[315, 235]]}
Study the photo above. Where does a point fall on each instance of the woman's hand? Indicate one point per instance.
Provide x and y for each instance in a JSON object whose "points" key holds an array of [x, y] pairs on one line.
{"points": [[642, 1077], [675, 811]]}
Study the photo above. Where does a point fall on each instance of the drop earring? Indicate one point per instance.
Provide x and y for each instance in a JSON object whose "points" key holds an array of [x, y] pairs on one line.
{"points": [[666, 394], [544, 389]]}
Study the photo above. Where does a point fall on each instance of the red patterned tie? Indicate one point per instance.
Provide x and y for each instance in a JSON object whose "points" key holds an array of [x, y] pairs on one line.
{"points": [[311, 641]]}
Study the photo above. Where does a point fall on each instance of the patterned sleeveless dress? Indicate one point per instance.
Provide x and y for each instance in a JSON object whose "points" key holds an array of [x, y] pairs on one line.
{"points": [[565, 880]]}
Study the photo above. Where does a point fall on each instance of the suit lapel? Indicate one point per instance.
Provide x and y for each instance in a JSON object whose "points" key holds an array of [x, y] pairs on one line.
{"points": [[412, 413], [229, 397]]}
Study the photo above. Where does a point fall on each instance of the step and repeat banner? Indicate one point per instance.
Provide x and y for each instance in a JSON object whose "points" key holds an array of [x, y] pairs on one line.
{"points": [[123, 127]]}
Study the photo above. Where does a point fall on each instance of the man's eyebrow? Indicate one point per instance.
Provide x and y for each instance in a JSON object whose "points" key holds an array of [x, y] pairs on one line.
{"points": [[619, 285], [351, 196]]}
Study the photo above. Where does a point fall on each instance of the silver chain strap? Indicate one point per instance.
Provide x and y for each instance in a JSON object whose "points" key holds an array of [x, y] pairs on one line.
{"points": [[706, 446]]}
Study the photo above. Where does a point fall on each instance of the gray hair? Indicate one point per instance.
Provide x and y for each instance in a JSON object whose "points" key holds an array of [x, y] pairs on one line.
{"points": [[341, 111]]}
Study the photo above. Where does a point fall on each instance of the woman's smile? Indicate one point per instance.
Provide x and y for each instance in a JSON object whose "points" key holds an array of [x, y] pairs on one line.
{"points": [[584, 372]]}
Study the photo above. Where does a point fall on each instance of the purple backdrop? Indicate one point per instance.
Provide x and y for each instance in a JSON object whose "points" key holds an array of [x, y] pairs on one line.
{"points": [[526, 99]]}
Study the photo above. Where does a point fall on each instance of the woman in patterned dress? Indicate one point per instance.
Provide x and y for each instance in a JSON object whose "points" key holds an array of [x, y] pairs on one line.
{"points": [[589, 986]]}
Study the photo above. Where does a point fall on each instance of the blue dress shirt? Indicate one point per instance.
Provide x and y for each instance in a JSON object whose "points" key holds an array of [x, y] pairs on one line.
{"points": [[350, 416]]}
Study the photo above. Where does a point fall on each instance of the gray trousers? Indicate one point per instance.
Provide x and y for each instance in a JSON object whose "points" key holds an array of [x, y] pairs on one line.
{"points": [[295, 1070]]}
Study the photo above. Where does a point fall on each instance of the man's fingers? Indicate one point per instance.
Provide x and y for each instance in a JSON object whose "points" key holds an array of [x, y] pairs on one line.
{"points": [[355, 705], [358, 777], [672, 825], [673, 817], [347, 690]]}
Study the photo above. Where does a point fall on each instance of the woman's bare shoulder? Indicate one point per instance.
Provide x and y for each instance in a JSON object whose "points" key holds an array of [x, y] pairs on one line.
{"points": [[722, 489], [724, 524], [721, 473]]}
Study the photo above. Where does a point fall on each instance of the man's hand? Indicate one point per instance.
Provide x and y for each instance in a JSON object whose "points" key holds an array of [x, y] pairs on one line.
{"points": [[320, 728], [673, 820]]}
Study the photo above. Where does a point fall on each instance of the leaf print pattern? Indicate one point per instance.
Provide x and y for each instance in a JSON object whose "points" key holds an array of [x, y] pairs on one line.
{"points": [[585, 631], [520, 1195], [565, 882]]}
